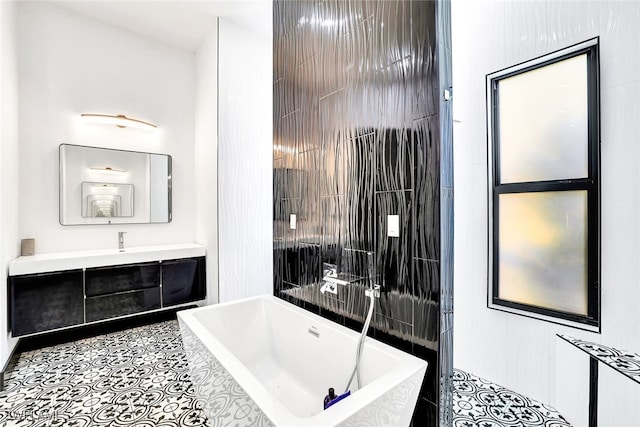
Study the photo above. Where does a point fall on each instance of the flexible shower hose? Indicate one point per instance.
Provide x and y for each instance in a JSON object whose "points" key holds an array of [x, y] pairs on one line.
{"points": [[363, 335]]}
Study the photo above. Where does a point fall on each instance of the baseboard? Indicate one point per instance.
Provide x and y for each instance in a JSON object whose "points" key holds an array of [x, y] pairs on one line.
{"points": [[10, 363]]}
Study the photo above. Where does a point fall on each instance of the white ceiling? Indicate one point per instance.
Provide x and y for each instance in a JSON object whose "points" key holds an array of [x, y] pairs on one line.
{"points": [[180, 23]]}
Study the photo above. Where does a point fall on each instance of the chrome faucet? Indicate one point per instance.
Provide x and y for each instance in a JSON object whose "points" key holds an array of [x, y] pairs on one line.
{"points": [[371, 269], [374, 287], [121, 240]]}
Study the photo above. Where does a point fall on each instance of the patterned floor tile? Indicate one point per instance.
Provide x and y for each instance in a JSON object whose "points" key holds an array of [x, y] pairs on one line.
{"points": [[134, 377], [478, 402]]}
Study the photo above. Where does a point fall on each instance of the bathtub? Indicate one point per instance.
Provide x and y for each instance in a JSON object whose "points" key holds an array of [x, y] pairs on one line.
{"points": [[265, 362]]}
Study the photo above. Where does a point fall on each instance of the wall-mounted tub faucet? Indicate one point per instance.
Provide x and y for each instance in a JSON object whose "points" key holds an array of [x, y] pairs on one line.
{"points": [[121, 240], [374, 287]]}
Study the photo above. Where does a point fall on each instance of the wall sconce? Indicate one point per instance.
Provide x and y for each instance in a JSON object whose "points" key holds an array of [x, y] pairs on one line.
{"points": [[120, 120], [107, 169]]}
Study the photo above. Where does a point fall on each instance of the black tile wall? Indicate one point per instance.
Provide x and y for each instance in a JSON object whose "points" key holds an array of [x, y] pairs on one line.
{"points": [[359, 191], [425, 98], [360, 133], [425, 414], [426, 146], [426, 302], [430, 386], [394, 160], [333, 227], [393, 264]]}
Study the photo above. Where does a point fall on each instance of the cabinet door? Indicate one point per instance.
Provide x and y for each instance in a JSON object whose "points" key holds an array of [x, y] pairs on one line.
{"points": [[121, 278], [116, 305], [183, 280], [41, 302]]}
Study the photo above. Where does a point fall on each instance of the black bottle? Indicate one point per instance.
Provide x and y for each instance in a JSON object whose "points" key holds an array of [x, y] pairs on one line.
{"points": [[329, 397]]}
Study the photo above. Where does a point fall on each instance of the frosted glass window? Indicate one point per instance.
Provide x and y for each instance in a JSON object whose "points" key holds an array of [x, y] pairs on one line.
{"points": [[543, 123], [544, 132], [543, 250]]}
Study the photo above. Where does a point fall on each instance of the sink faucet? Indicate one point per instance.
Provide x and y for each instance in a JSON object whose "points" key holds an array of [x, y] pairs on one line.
{"points": [[121, 240]]}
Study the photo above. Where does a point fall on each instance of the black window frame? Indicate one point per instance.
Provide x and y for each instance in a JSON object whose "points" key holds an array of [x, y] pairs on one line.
{"points": [[591, 184]]}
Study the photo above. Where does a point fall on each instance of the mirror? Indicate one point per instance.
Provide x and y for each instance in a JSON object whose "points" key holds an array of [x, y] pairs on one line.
{"points": [[106, 186], [104, 199]]}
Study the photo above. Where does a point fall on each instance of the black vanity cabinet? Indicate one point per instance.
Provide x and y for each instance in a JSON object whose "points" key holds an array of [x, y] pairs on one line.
{"points": [[120, 290], [45, 301], [183, 281], [42, 302]]}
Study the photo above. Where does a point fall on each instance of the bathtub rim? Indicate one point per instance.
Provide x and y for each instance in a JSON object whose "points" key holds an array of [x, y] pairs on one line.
{"points": [[277, 412]]}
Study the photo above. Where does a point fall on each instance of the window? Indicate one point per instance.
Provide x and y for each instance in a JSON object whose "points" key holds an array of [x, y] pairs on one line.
{"points": [[543, 121]]}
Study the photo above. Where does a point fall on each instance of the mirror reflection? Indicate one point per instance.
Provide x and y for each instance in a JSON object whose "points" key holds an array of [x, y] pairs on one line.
{"points": [[106, 199], [106, 186]]}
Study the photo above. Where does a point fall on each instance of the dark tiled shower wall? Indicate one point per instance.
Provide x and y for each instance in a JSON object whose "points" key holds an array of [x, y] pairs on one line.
{"points": [[358, 136]]}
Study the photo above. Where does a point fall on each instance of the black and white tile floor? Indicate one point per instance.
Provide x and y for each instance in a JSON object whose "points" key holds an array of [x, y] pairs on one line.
{"points": [[477, 402], [139, 377]]}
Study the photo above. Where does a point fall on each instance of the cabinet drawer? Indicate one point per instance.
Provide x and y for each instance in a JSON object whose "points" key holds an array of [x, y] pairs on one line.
{"points": [[120, 278], [42, 302], [183, 281], [115, 305]]}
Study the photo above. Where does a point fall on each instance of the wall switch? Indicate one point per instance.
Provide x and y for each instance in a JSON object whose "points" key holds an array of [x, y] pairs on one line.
{"points": [[292, 221], [393, 225]]}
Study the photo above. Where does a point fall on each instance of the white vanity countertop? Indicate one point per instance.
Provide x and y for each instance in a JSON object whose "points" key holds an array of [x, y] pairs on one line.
{"points": [[59, 261]]}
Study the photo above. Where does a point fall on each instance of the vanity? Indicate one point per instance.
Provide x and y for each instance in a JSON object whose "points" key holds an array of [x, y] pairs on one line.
{"points": [[53, 291]]}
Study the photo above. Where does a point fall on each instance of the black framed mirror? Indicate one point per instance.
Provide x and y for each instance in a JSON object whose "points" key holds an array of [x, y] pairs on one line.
{"points": [[107, 186]]}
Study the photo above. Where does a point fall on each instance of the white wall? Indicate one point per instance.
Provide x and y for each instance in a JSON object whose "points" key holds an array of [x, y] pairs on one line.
{"points": [[71, 64], [9, 244], [245, 176], [518, 352], [206, 156]]}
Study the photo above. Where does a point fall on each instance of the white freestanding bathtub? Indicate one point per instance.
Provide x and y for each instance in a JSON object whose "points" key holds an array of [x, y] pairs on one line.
{"points": [[264, 362]]}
